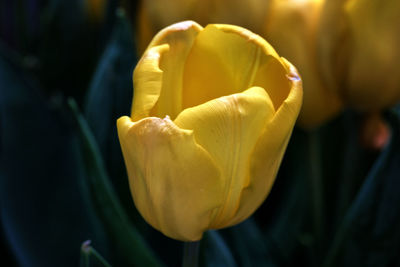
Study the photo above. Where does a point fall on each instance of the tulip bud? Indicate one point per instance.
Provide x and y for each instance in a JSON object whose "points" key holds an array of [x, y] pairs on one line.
{"points": [[212, 113], [292, 29], [373, 80]]}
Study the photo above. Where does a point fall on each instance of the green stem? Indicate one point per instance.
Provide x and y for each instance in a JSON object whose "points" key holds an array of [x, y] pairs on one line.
{"points": [[191, 254]]}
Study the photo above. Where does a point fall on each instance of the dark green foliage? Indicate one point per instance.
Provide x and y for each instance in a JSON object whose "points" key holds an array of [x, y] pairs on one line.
{"points": [[45, 215], [108, 98], [214, 251]]}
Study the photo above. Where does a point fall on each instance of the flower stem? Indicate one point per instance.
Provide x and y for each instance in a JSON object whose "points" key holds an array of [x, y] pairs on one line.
{"points": [[191, 254]]}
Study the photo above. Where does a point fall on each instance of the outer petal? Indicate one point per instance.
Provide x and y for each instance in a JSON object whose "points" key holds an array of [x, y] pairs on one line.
{"points": [[270, 148], [228, 59], [174, 182], [228, 128], [158, 75]]}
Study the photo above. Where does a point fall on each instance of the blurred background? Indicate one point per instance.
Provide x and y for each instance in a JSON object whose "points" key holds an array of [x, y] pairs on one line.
{"points": [[66, 76]]}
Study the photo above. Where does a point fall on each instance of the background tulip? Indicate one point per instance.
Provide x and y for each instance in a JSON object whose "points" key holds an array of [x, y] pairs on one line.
{"points": [[293, 29], [154, 15], [373, 80], [211, 117]]}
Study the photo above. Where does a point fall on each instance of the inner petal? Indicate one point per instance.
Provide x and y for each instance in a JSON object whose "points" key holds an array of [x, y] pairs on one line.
{"points": [[225, 60], [179, 38]]}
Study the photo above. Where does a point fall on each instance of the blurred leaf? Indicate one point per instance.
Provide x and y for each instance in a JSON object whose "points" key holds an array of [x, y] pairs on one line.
{"points": [[44, 215], [5, 252], [214, 251], [88, 253], [129, 246], [284, 218], [345, 163], [247, 244], [320, 174], [68, 47], [370, 232], [109, 97]]}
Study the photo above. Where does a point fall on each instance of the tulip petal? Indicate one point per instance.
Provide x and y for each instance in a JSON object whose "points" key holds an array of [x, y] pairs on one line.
{"points": [[175, 184], [228, 59], [228, 128], [270, 148], [158, 75]]}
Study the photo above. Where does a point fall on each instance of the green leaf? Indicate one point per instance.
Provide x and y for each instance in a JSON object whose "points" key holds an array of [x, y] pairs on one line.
{"points": [[247, 244], [68, 47], [129, 245], [369, 235], [44, 214], [214, 251], [285, 216], [110, 97]]}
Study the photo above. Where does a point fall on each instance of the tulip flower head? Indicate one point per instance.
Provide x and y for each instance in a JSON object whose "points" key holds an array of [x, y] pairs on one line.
{"points": [[212, 113]]}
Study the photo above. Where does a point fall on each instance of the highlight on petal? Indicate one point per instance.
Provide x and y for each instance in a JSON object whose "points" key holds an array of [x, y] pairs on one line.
{"points": [[175, 184], [158, 75], [228, 60], [228, 128]]}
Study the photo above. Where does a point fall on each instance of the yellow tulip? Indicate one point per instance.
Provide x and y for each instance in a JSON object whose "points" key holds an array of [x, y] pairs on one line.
{"points": [[212, 113], [293, 29], [154, 15], [373, 80]]}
